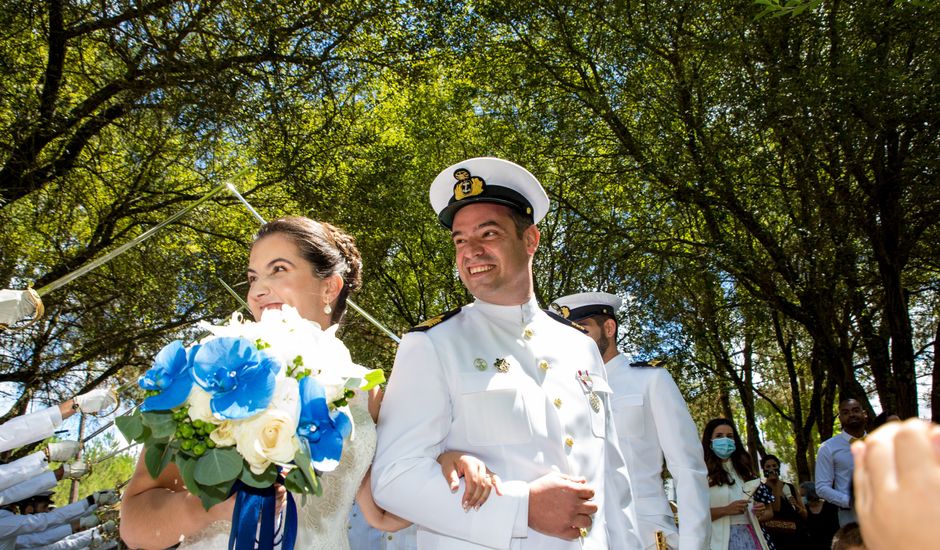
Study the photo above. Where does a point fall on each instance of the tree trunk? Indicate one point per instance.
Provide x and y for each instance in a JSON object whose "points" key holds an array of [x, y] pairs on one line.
{"points": [[935, 389]]}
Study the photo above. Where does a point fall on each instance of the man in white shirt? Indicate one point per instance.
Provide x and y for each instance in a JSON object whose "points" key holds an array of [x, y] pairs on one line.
{"points": [[834, 463], [505, 381], [653, 423]]}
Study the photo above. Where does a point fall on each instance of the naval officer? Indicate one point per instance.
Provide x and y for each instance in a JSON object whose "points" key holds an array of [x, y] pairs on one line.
{"points": [[503, 380], [653, 422]]}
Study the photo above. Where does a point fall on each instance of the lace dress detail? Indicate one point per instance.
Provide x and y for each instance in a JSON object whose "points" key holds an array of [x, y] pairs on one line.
{"points": [[321, 522]]}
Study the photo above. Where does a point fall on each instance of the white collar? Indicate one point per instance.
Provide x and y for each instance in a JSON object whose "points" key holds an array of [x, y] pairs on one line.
{"points": [[617, 361], [848, 437], [521, 314]]}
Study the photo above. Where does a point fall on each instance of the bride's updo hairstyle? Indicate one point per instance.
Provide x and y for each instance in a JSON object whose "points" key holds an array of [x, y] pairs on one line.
{"points": [[330, 249]]}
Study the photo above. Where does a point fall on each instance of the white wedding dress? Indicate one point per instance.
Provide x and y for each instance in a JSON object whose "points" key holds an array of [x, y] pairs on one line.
{"points": [[321, 522]]}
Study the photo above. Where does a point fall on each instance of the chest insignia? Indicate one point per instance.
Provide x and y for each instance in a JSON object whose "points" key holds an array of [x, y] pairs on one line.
{"points": [[501, 364], [584, 377]]}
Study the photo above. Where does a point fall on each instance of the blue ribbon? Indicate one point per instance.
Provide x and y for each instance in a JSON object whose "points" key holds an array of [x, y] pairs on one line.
{"points": [[253, 505]]}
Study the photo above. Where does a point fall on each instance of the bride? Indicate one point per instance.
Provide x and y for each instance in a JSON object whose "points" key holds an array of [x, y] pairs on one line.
{"points": [[313, 267]]}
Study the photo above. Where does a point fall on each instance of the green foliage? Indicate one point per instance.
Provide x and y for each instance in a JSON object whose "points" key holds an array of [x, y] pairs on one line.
{"points": [[106, 473]]}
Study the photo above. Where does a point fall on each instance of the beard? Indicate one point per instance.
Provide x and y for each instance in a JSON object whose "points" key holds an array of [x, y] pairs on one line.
{"points": [[603, 344]]}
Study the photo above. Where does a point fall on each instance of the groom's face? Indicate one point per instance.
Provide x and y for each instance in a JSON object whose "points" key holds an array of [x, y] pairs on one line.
{"points": [[494, 261]]}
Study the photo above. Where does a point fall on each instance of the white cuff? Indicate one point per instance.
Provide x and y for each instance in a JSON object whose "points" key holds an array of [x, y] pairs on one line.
{"points": [[519, 490]]}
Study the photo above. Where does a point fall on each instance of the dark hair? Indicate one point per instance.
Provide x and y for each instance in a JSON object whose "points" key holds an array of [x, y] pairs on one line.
{"points": [[845, 400], [882, 419], [520, 220], [740, 460], [769, 457], [331, 250], [848, 536]]}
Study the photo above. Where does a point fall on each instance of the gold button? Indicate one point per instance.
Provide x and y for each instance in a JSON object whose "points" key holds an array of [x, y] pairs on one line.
{"points": [[543, 364], [569, 441], [528, 334], [557, 403], [584, 532], [390, 537]]}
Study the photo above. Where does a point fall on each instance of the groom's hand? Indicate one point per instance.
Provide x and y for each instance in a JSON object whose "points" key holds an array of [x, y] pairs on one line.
{"points": [[560, 505]]}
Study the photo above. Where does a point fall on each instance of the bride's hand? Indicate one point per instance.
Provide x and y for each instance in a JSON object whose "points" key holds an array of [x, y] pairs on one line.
{"points": [[478, 480]]}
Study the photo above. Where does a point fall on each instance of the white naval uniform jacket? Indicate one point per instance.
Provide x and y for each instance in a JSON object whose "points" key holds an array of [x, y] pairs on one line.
{"points": [[446, 393], [653, 421], [29, 428]]}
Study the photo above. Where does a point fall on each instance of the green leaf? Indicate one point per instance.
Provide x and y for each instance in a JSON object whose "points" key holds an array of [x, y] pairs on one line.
{"points": [[373, 378], [187, 468], [295, 482], [161, 423], [266, 479], [212, 495], [157, 457], [304, 464], [132, 426], [218, 466]]}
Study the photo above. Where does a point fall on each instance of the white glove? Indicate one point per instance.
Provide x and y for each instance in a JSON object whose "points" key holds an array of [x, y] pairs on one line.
{"points": [[75, 469], [95, 400], [89, 521], [61, 451], [104, 498], [109, 526]]}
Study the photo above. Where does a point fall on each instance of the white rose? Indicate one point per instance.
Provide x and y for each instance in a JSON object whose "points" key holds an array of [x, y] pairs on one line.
{"points": [[270, 436], [224, 434], [200, 407]]}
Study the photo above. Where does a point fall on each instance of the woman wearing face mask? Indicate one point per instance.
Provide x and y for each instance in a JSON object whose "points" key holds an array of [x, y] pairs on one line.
{"points": [[739, 501], [787, 525]]}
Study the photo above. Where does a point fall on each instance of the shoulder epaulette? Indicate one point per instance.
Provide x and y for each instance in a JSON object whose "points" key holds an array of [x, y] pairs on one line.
{"points": [[565, 321], [434, 321], [651, 364]]}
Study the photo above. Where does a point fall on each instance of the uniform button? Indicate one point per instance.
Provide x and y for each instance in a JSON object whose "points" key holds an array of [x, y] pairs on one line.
{"points": [[543, 364], [557, 403], [390, 537], [528, 334], [569, 441]]}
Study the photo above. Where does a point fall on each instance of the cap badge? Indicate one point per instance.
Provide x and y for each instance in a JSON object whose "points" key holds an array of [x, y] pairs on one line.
{"points": [[467, 184], [564, 311]]}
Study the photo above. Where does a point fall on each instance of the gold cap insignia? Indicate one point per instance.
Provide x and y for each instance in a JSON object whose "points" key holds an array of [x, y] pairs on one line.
{"points": [[467, 184], [564, 311]]}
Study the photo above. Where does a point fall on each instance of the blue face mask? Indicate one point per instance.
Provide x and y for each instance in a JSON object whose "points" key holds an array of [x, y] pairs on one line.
{"points": [[723, 447]]}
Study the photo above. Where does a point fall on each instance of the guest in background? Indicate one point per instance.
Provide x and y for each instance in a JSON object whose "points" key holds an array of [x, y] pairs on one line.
{"points": [[822, 518], [738, 499], [787, 528]]}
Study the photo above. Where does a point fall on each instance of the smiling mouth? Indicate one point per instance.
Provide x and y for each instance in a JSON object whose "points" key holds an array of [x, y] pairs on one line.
{"points": [[271, 306], [481, 269]]}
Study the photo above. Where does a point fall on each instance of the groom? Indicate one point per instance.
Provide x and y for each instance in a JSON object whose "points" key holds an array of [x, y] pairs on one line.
{"points": [[504, 381]]}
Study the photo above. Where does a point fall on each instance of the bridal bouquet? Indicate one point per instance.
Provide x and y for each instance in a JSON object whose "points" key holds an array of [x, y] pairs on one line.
{"points": [[249, 405]]}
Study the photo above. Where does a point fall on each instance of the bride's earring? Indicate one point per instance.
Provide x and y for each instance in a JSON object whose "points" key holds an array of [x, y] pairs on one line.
{"points": [[327, 309]]}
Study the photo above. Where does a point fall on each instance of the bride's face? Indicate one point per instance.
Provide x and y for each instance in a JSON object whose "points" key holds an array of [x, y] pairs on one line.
{"points": [[278, 275]]}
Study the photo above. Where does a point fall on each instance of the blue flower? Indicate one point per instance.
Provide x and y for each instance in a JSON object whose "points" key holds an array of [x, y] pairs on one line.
{"points": [[171, 375], [324, 432], [239, 377]]}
